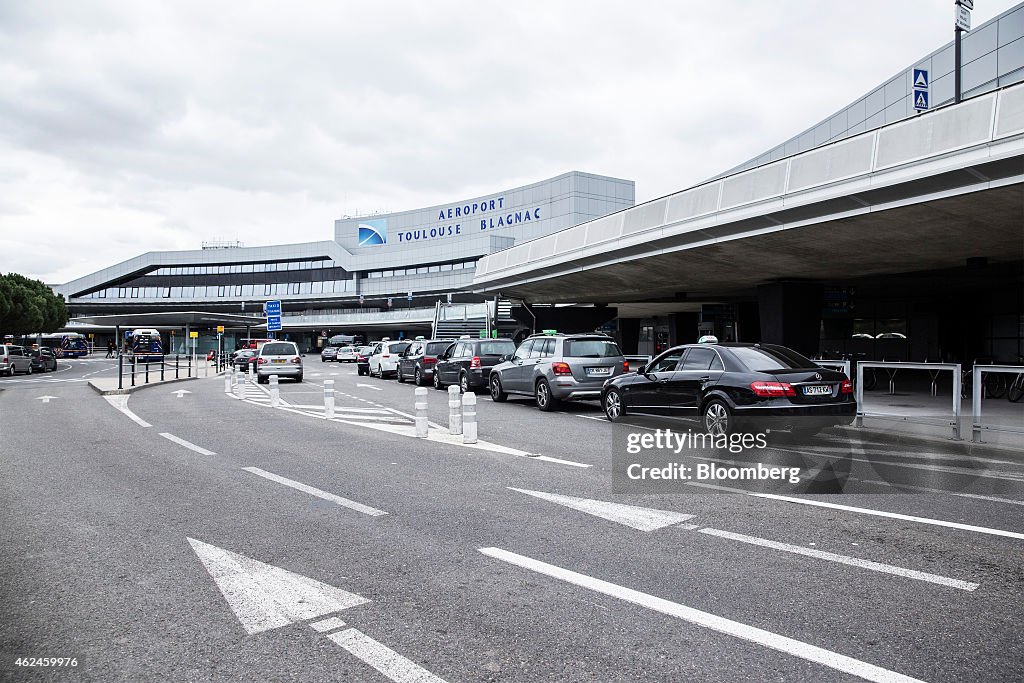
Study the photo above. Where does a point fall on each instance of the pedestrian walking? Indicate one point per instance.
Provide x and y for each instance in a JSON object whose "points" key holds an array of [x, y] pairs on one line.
{"points": [[110, 349]]}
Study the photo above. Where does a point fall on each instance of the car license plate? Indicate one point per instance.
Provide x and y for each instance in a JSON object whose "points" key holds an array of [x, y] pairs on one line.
{"points": [[818, 390], [278, 361], [598, 372]]}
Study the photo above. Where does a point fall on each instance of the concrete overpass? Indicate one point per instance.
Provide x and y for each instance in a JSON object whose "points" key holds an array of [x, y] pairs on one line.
{"points": [[922, 194]]}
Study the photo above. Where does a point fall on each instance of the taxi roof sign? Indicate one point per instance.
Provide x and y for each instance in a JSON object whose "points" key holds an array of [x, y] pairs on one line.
{"points": [[708, 339]]}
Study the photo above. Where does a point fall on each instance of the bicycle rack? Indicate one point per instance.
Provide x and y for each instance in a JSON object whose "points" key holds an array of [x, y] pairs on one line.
{"points": [[978, 391], [936, 367]]}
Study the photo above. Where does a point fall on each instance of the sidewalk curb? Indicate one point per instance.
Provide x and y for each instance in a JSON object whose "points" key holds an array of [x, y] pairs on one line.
{"points": [[128, 390]]}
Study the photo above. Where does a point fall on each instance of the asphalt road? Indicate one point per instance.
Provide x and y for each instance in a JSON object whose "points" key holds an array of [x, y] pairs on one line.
{"points": [[176, 551]]}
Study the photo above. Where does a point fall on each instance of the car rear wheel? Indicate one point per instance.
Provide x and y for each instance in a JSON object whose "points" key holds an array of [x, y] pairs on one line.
{"points": [[29, 371], [717, 418], [418, 378], [613, 406], [497, 394], [437, 381], [542, 394], [399, 376], [464, 383]]}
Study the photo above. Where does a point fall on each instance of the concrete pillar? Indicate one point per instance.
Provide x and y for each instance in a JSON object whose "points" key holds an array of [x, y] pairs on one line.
{"points": [[790, 315]]}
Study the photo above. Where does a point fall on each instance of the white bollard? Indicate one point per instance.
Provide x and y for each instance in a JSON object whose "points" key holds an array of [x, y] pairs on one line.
{"points": [[227, 381], [240, 386], [422, 428], [454, 411], [469, 417], [275, 393], [329, 399]]}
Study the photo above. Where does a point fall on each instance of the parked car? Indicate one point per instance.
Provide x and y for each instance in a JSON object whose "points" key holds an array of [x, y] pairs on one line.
{"points": [[420, 359], [328, 354], [13, 358], [281, 358], [384, 359], [727, 385], [43, 359], [558, 367], [468, 362], [244, 360], [363, 359], [346, 354]]}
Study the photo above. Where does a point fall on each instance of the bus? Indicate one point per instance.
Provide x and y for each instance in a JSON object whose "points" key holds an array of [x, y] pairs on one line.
{"points": [[346, 340], [145, 345], [64, 344]]}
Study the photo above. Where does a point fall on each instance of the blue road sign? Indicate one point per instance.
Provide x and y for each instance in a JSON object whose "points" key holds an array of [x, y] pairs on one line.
{"points": [[920, 99], [921, 78], [274, 307], [273, 323]]}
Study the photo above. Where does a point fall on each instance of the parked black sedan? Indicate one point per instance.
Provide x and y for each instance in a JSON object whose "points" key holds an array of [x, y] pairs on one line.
{"points": [[732, 384]]}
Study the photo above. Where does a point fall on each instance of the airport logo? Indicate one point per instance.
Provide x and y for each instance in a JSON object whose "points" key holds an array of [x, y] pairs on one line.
{"points": [[373, 232]]}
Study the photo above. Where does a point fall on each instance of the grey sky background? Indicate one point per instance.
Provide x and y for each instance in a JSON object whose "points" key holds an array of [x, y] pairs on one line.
{"points": [[128, 127]]}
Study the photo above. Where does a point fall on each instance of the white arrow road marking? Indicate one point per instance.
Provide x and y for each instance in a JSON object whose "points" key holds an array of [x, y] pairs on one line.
{"points": [[187, 444], [120, 402], [790, 646], [647, 519], [305, 488], [644, 519], [264, 597], [382, 658], [181, 392], [45, 399], [369, 386], [843, 559]]}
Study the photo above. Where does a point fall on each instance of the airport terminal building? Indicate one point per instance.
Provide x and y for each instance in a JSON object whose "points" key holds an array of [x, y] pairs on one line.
{"points": [[883, 230], [396, 274]]}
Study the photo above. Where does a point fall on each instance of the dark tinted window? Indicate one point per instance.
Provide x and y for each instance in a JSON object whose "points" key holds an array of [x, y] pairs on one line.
{"points": [[766, 359], [666, 363], [497, 347], [591, 348], [698, 359], [279, 349], [399, 348], [436, 348]]}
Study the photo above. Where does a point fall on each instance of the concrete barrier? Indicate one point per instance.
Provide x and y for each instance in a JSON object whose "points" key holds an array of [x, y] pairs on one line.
{"points": [[329, 399], [454, 410], [469, 417], [275, 392], [422, 426]]}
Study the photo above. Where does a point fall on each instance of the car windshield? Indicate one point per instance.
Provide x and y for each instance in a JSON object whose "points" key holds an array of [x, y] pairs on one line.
{"points": [[591, 348], [766, 359], [497, 348], [399, 348], [271, 349]]}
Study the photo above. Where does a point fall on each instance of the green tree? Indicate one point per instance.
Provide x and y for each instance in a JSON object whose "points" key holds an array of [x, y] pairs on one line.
{"points": [[28, 306]]}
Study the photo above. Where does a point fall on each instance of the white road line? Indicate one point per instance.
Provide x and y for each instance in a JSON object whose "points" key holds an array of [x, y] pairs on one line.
{"points": [[369, 386], [892, 515], [843, 559], [187, 444], [327, 625], [120, 402], [305, 488], [978, 496], [382, 658], [796, 648], [642, 519]]}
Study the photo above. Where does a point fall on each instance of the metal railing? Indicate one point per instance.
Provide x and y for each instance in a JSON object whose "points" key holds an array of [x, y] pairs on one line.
{"points": [[892, 367], [129, 368], [977, 393]]}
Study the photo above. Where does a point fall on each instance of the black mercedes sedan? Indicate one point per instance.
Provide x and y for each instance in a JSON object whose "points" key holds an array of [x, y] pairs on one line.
{"points": [[733, 385]]}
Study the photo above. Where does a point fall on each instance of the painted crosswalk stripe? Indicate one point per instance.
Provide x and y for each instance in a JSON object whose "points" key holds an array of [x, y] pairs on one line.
{"points": [[187, 444], [843, 559], [382, 658], [796, 648], [305, 488]]}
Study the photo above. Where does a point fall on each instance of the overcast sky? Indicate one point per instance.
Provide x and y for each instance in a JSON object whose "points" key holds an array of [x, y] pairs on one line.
{"points": [[134, 126]]}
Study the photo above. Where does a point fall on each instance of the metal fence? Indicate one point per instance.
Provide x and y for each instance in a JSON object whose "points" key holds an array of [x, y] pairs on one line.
{"points": [[892, 368], [977, 394]]}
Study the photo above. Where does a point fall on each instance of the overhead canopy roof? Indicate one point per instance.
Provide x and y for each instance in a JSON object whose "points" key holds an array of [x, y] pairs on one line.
{"points": [[197, 319]]}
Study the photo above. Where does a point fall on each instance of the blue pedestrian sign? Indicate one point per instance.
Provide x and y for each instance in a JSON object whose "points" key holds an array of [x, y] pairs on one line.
{"points": [[920, 100], [273, 307], [273, 323], [921, 79]]}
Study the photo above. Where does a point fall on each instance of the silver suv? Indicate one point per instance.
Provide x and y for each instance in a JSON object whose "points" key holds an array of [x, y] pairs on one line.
{"points": [[558, 367], [14, 359], [281, 358]]}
